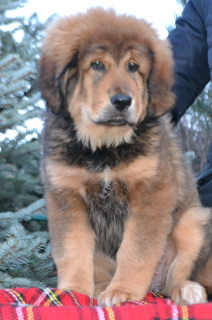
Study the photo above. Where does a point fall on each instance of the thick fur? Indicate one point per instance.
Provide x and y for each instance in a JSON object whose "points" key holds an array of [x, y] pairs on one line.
{"points": [[124, 212]]}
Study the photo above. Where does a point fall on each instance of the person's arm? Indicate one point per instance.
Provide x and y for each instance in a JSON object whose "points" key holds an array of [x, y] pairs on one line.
{"points": [[190, 50]]}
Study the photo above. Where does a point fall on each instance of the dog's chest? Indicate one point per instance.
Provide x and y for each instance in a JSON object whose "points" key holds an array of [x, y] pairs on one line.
{"points": [[107, 208]]}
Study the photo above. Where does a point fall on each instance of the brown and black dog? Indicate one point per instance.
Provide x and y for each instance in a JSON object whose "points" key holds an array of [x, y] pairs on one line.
{"points": [[124, 212]]}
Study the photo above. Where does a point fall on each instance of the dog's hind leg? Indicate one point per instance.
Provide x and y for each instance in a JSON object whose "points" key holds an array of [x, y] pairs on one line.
{"points": [[205, 277], [189, 237]]}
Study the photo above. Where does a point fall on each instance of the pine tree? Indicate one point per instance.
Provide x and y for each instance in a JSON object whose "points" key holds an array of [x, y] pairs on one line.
{"points": [[25, 258], [19, 104]]}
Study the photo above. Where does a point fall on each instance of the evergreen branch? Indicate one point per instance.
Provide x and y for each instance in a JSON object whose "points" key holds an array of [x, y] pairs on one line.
{"points": [[6, 103], [30, 102], [37, 207], [9, 20], [23, 74], [11, 251], [7, 122], [11, 282], [204, 108], [9, 102], [8, 60], [4, 5], [14, 87]]}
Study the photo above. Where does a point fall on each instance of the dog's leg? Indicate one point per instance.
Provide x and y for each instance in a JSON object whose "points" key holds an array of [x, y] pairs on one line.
{"points": [[104, 269], [188, 237], [72, 242], [141, 249], [205, 276]]}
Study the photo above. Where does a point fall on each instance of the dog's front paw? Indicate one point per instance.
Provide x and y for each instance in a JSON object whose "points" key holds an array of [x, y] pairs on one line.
{"points": [[110, 297], [189, 293]]}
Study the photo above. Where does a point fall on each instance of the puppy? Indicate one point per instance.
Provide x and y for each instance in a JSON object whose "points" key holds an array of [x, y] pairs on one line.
{"points": [[122, 205]]}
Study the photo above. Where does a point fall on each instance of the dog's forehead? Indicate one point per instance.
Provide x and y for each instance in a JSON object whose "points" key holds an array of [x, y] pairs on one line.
{"points": [[121, 43], [120, 35]]}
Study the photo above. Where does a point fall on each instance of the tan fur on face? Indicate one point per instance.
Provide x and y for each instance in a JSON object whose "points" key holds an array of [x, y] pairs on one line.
{"points": [[91, 108], [95, 103]]}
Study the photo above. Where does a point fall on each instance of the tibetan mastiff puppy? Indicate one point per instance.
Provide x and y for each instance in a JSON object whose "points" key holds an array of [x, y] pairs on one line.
{"points": [[124, 213]]}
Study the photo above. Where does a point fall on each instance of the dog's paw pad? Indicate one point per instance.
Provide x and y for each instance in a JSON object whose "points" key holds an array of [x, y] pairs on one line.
{"points": [[116, 296], [189, 293]]}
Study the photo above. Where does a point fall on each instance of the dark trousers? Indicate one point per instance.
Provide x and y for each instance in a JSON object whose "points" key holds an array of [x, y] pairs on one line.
{"points": [[205, 191]]}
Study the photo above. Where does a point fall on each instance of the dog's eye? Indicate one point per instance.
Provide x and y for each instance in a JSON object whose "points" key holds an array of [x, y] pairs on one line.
{"points": [[97, 65], [133, 67]]}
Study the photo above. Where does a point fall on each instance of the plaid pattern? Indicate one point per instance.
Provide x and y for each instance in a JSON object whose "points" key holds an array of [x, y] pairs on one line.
{"points": [[40, 304]]}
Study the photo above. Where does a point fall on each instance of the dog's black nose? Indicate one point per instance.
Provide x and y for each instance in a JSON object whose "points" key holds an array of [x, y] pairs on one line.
{"points": [[121, 101]]}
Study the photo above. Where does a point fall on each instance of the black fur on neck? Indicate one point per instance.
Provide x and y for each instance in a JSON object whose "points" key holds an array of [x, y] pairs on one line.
{"points": [[75, 153]]}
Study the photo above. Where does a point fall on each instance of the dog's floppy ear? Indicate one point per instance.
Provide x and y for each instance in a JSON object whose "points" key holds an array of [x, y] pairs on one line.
{"points": [[59, 61], [161, 80], [53, 84]]}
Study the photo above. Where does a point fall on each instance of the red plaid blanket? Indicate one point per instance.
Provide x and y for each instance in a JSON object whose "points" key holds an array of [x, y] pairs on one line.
{"points": [[40, 304]]}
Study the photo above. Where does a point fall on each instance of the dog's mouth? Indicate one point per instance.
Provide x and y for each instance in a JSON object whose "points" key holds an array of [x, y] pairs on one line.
{"points": [[115, 122], [114, 118]]}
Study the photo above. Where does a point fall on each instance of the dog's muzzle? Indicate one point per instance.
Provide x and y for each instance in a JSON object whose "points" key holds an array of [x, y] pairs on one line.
{"points": [[118, 112]]}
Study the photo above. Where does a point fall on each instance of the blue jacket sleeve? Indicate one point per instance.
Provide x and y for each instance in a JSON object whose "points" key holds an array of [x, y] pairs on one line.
{"points": [[190, 50]]}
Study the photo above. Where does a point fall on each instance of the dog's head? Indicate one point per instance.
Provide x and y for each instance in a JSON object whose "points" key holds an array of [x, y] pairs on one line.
{"points": [[108, 72]]}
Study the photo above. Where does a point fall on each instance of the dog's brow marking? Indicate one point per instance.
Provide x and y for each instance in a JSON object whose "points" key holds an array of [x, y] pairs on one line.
{"points": [[99, 47], [130, 48]]}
